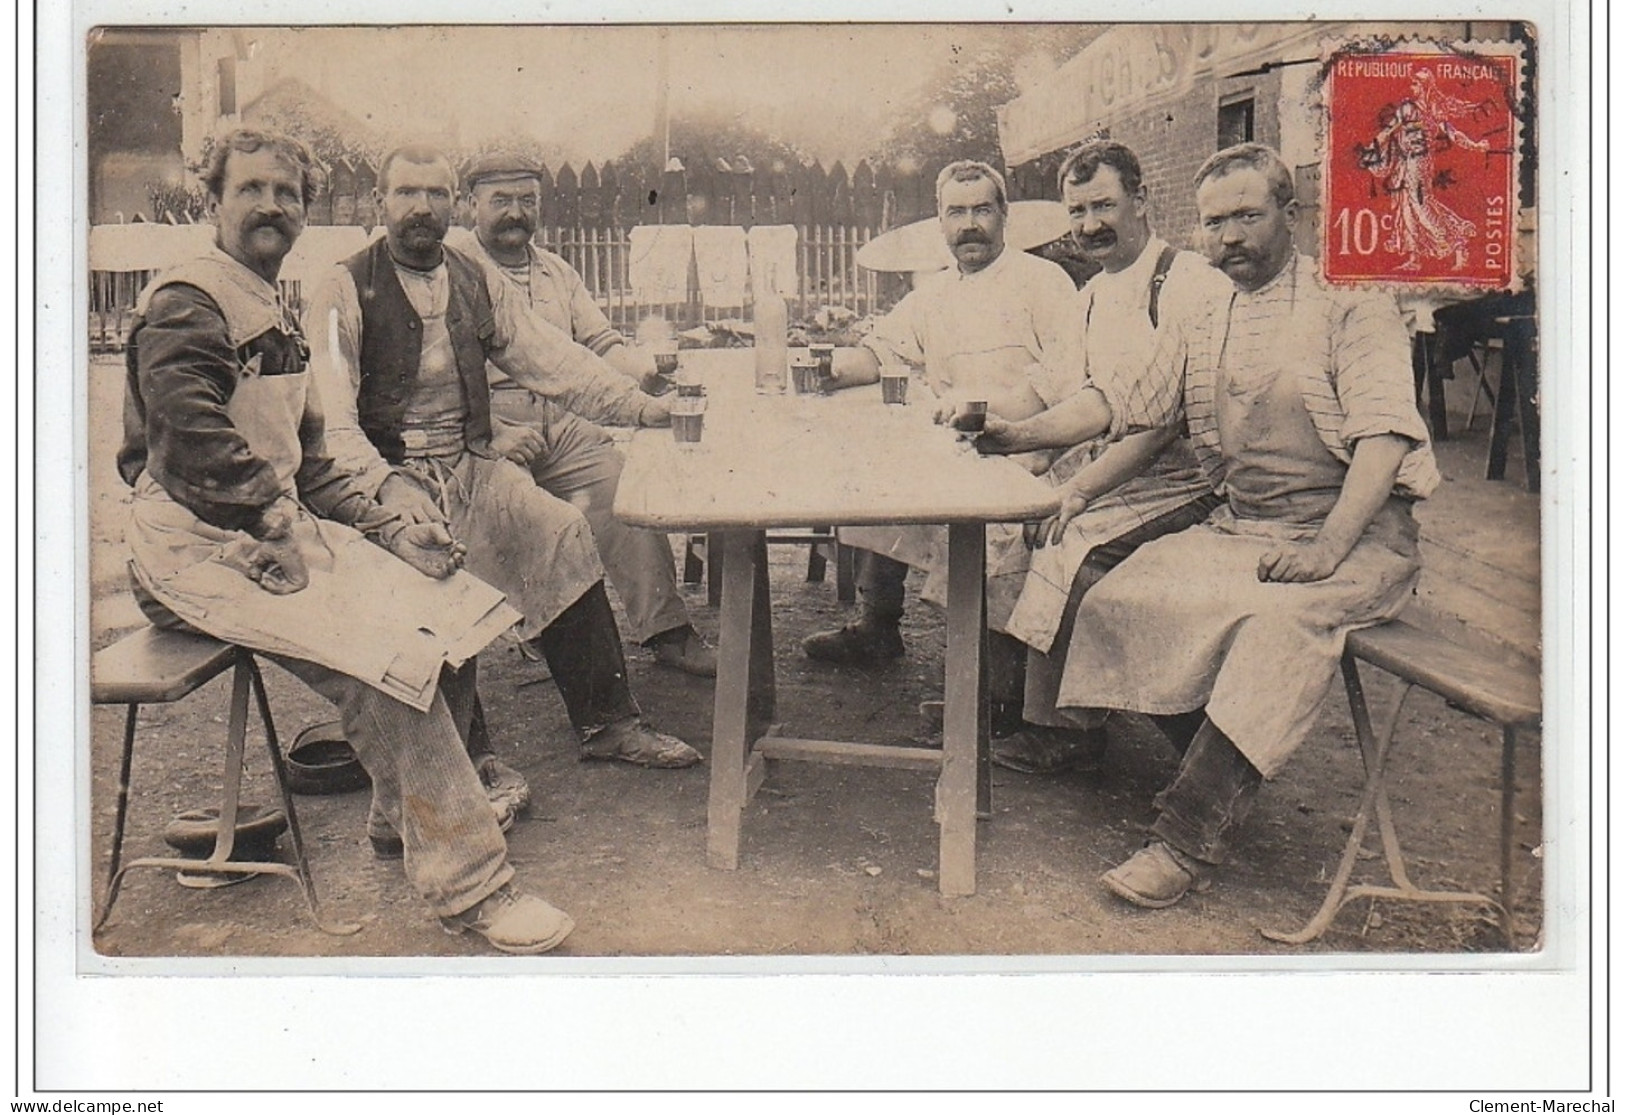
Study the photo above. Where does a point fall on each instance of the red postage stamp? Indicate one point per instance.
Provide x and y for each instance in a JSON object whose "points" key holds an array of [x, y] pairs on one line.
{"points": [[1421, 167]]}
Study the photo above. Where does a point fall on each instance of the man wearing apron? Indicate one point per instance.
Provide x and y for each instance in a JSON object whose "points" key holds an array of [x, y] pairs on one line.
{"points": [[991, 327], [244, 527], [1301, 410]]}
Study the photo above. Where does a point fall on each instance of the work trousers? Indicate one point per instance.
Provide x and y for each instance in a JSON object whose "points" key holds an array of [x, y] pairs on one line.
{"points": [[581, 465], [423, 786], [1212, 794]]}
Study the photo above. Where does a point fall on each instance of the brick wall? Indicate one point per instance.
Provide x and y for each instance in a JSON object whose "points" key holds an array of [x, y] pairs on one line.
{"points": [[1172, 141]]}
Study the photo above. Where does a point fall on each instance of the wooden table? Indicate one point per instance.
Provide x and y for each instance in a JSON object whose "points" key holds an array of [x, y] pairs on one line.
{"points": [[847, 458]]}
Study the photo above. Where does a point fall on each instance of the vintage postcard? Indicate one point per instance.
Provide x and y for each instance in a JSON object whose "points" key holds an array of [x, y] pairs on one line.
{"points": [[981, 497]]}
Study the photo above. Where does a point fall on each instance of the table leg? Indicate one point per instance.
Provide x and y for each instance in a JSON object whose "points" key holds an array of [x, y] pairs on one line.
{"points": [[745, 694], [965, 711], [1523, 338], [1515, 402], [1430, 378]]}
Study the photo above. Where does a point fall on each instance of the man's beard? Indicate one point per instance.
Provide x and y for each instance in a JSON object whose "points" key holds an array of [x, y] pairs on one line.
{"points": [[419, 229]]}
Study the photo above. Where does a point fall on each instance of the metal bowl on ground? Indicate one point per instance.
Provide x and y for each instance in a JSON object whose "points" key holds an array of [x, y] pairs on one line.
{"points": [[321, 761], [193, 833]]}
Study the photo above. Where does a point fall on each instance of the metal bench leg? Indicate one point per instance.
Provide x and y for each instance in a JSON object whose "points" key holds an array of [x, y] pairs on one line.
{"points": [[1374, 755], [245, 675], [305, 879], [125, 761]]}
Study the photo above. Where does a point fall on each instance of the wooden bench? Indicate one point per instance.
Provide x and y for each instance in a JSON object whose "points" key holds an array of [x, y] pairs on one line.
{"points": [[157, 666], [1494, 691]]}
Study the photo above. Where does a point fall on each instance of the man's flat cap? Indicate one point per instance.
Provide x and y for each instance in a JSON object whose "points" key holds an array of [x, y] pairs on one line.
{"points": [[499, 164]]}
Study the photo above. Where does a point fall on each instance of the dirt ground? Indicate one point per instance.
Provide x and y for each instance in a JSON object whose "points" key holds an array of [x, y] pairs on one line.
{"points": [[835, 861]]}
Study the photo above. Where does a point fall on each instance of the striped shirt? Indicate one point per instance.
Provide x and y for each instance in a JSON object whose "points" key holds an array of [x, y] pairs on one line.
{"points": [[1349, 350]]}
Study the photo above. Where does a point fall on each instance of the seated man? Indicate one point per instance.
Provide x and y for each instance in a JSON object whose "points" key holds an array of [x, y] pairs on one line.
{"points": [[985, 328], [407, 327], [224, 449], [569, 456], [1117, 497], [1301, 409]]}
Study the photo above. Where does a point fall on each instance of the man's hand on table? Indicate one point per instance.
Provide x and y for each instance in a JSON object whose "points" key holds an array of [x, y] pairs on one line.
{"points": [[407, 499], [429, 548], [520, 444], [655, 412], [999, 436]]}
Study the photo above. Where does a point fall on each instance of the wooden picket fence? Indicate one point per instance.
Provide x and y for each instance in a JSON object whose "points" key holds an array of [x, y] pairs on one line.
{"points": [[587, 218], [828, 275]]}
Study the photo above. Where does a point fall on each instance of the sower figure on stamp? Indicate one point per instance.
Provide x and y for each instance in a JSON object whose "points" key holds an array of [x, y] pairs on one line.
{"points": [[1300, 407], [991, 327], [408, 326], [237, 507], [1118, 496], [568, 455]]}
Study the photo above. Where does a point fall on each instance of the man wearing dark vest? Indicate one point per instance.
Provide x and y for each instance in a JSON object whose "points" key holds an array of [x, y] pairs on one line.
{"points": [[242, 525], [403, 330]]}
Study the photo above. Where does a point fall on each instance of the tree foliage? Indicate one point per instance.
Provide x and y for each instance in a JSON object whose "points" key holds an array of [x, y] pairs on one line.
{"points": [[704, 138], [954, 116]]}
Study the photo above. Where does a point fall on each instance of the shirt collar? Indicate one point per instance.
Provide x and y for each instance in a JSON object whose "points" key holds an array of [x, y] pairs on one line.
{"points": [[1000, 262], [1288, 275], [1137, 275], [249, 279]]}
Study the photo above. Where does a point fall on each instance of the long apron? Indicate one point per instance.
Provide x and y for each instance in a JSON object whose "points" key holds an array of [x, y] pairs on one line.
{"points": [[1185, 623]]}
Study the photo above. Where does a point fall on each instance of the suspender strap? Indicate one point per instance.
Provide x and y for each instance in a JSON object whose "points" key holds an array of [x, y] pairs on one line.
{"points": [[1165, 263]]}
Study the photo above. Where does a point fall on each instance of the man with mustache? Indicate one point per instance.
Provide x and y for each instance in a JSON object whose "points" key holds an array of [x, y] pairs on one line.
{"points": [[238, 507], [1118, 496], [984, 328], [1301, 411], [406, 328], [567, 455]]}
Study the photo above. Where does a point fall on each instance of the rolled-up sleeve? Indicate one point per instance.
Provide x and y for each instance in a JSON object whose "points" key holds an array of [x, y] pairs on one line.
{"points": [[589, 325], [333, 327], [541, 358], [899, 335], [1371, 368], [1064, 369]]}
